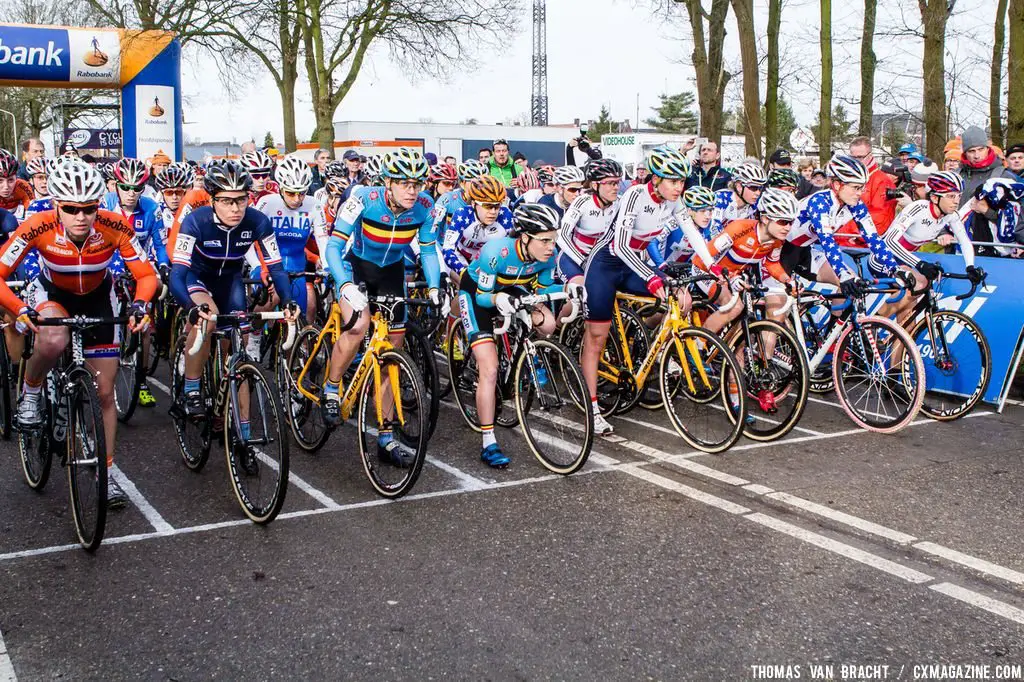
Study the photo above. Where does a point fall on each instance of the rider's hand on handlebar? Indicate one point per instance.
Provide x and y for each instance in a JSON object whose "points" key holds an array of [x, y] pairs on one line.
{"points": [[355, 298], [138, 317], [198, 312], [292, 312], [165, 272], [506, 304], [656, 285], [929, 270], [906, 279], [27, 321], [975, 275], [852, 287]]}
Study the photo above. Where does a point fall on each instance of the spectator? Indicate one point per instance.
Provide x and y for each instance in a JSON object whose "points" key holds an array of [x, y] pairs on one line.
{"points": [[882, 209], [356, 175], [159, 162], [520, 160], [581, 143], [451, 161], [905, 152], [818, 178], [782, 160], [484, 155], [32, 148], [642, 175], [951, 162], [979, 162], [247, 147], [500, 166], [320, 159], [708, 173], [912, 160], [431, 158], [1015, 161]]}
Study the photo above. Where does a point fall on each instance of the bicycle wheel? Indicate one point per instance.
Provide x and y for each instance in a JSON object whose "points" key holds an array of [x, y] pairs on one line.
{"points": [[777, 386], [400, 378], [462, 375], [647, 396], [879, 375], [305, 417], [549, 392], [194, 436], [6, 419], [86, 460], [130, 374], [438, 343], [957, 363], [815, 336], [35, 446], [417, 345], [158, 338], [695, 365], [257, 460]]}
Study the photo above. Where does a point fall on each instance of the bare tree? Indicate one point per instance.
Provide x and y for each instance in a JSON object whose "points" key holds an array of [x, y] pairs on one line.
{"points": [[744, 11], [867, 68], [423, 35], [934, 17], [708, 59], [772, 134], [995, 91], [188, 19], [1015, 72], [825, 105]]}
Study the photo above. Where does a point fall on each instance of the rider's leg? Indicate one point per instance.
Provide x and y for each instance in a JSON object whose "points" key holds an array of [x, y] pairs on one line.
{"points": [[194, 363], [104, 371]]}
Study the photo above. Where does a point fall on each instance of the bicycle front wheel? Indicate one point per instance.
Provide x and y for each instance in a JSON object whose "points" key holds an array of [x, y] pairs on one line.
{"points": [[194, 435], [957, 363], [305, 417], [87, 460], [255, 443], [417, 344], [398, 407], [551, 396], [130, 374], [462, 374], [702, 386], [35, 445], [879, 375], [5, 392]]}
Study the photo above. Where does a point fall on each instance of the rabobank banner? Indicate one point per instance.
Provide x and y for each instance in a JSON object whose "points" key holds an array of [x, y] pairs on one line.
{"points": [[60, 55]]}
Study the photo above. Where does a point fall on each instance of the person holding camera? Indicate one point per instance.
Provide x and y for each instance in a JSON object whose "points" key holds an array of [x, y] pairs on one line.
{"points": [[582, 143], [880, 202]]}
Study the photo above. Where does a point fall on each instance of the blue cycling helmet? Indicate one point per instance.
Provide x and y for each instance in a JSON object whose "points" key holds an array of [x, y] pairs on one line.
{"points": [[668, 163], [405, 164], [699, 198]]}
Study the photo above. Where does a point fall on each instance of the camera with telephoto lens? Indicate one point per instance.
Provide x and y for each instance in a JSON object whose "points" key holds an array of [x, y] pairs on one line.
{"points": [[893, 194]]}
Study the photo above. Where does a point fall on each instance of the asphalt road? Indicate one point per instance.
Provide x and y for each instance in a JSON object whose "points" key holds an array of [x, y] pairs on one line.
{"points": [[832, 548]]}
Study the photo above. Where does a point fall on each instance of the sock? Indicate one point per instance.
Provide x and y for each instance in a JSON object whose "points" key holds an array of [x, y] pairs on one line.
{"points": [[488, 433], [384, 437], [331, 388], [192, 385], [29, 388], [594, 407], [243, 428]]}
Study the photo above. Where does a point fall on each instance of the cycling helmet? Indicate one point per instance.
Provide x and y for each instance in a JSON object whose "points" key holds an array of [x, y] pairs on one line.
{"points": [[527, 180], [750, 175], [778, 204], [8, 164], [76, 182], [405, 164], [546, 176], [668, 163], [535, 218], [226, 175], [999, 192], [335, 169], [566, 174], [131, 171], [471, 168], [486, 189], [256, 162], [699, 198], [847, 170], [602, 169], [105, 169], [294, 175], [37, 166], [175, 175], [945, 182], [783, 178], [443, 171], [336, 184], [373, 167]]}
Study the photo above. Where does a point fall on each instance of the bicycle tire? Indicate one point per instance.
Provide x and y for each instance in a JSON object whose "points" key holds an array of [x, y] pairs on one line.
{"points": [[786, 381], [418, 347], [438, 341], [851, 343], [86, 459], [244, 482], [130, 375], [945, 406], [6, 418], [462, 375], [561, 369], [707, 380], [305, 417], [647, 396], [194, 437], [412, 435], [35, 446]]}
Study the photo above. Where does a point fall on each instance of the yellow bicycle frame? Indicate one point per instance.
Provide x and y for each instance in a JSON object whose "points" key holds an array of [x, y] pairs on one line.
{"points": [[379, 344]]}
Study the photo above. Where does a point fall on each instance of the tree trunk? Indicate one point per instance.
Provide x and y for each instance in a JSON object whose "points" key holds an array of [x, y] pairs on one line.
{"points": [[867, 69], [825, 106], [708, 63], [1015, 73], [744, 10], [772, 135], [995, 92], [934, 14], [287, 91]]}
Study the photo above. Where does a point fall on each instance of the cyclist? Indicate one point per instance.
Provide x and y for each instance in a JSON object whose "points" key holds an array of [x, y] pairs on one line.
{"points": [[442, 179], [208, 259], [260, 168], [811, 250], [618, 261], [530, 186], [447, 205], [76, 242], [506, 268], [15, 193], [569, 180], [785, 179], [367, 247], [740, 200], [680, 238], [173, 183], [334, 169], [484, 219], [38, 169]]}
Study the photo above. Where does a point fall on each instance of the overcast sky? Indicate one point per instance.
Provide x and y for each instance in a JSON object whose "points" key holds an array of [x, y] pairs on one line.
{"points": [[609, 52]]}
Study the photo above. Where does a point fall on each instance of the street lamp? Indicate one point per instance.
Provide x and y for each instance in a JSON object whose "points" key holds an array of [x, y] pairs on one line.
{"points": [[14, 129]]}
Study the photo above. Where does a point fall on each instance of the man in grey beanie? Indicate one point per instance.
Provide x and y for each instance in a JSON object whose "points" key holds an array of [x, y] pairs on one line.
{"points": [[979, 162]]}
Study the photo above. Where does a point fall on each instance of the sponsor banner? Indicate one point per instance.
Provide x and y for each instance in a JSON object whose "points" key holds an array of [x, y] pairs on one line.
{"points": [[154, 120], [94, 57], [93, 138], [34, 54]]}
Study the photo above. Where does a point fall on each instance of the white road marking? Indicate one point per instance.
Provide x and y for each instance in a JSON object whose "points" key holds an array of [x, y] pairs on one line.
{"points": [[6, 667], [708, 472], [159, 384], [980, 565], [843, 518], [849, 551], [979, 600], [758, 489], [467, 481], [692, 493], [148, 511]]}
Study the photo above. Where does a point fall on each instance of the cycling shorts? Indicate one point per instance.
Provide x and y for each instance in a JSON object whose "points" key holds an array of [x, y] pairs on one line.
{"points": [[606, 274], [97, 342], [298, 288], [382, 281], [228, 293], [566, 268], [805, 261], [477, 320]]}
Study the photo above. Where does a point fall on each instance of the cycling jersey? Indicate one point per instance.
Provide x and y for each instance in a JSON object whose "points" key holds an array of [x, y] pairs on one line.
{"points": [[166, 216], [466, 236], [367, 229], [39, 205], [207, 252], [193, 199], [584, 222], [555, 202], [72, 267], [29, 268], [739, 247], [918, 224], [269, 189], [19, 200], [677, 243], [726, 210], [821, 214], [146, 220], [447, 205]]}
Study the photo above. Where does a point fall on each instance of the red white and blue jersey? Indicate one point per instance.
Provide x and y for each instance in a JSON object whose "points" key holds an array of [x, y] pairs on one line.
{"points": [[728, 209], [584, 223], [467, 235]]}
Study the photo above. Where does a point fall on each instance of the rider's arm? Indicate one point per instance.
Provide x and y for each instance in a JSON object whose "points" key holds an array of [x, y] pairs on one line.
{"points": [[463, 219], [440, 215], [964, 240], [821, 226], [877, 245], [181, 261], [546, 283], [570, 220], [344, 224], [623, 232], [428, 254], [154, 225], [772, 264], [722, 200], [692, 233], [719, 245], [14, 251], [657, 249]]}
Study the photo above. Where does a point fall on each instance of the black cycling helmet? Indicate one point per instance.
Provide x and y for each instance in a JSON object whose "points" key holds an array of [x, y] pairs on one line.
{"points": [[602, 169], [535, 218], [226, 175], [783, 178]]}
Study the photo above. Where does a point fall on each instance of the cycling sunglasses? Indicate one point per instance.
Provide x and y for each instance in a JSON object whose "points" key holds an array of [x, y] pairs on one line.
{"points": [[259, 176], [174, 192], [72, 209], [124, 187], [783, 223]]}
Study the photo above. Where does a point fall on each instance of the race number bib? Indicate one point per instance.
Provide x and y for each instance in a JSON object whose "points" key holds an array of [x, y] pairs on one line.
{"points": [[14, 252]]}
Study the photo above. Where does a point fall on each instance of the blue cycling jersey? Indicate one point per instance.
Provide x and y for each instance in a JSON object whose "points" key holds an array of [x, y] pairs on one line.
{"points": [[550, 200], [445, 208], [147, 221], [29, 266], [211, 252], [367, 229], [503, 263]]}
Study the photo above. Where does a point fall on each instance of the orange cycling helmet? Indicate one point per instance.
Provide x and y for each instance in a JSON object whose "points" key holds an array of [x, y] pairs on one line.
{"points": [[486, 190]]}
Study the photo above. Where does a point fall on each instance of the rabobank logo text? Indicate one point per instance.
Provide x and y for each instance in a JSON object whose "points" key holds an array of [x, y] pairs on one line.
{"points": [[32, 53], [31, 56]]}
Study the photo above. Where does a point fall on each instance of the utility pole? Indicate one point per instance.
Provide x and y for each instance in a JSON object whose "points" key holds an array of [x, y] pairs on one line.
{"points": [[539, 91]]}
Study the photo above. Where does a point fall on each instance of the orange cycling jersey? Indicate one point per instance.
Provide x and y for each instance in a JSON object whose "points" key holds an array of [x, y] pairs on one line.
{"points": [[75, 268], [21, 196], [738, 247]]}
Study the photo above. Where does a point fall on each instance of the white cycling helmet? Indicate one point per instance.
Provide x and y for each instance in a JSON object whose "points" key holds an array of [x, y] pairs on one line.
{"points": [[257, 161], [778, 204], [294, 174], [847, 169], [566, 174], [750, 175], [471, 168], [76, 182]]}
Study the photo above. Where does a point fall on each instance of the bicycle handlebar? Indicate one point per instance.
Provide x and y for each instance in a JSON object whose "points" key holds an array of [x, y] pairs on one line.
{"points": [[235, 319], [530, 300]]}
